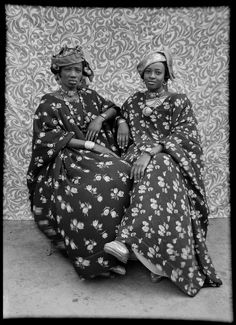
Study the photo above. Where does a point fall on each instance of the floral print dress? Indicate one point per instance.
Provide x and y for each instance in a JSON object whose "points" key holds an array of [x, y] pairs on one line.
{"points": [[77, 196], [167, 219]]}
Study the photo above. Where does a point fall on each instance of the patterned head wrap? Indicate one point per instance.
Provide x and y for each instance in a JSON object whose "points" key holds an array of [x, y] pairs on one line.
{"points": [[68, 56], [158, 56]]}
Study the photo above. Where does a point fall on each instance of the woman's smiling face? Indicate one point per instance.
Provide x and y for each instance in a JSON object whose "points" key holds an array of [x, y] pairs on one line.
{"points": [[154, 76]]}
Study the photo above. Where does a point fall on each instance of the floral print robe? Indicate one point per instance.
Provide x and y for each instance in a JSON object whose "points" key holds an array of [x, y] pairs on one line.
{"points": [[77, 197], [167, 219]]}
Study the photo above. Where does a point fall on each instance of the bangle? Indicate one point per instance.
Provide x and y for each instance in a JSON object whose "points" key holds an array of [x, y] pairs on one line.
{"points": [[121, 121], [103, 115], [89, 145], [150, 152]]}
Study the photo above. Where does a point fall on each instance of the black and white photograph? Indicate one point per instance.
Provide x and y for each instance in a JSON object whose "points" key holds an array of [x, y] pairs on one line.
{"points": [[116, 163]]}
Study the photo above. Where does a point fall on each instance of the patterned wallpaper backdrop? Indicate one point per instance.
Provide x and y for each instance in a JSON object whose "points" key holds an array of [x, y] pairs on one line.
{"points": [[114, 40]]}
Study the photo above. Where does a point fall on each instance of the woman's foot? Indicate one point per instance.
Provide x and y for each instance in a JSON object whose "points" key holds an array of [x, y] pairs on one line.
{"points": [[117, 249], [155, 278], [119, 269]]}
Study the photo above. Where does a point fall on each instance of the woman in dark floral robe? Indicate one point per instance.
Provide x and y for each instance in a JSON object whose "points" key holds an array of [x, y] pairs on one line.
{"points": [[78, 185], [166, 222]]}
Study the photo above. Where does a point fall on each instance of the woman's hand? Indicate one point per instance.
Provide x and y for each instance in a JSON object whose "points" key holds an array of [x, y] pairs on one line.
{"points": [[139, 167], [94, 128], [123, 135]]}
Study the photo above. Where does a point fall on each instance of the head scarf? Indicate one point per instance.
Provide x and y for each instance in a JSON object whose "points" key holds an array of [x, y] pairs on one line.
{"points": [[158, 56], [68, 56]]}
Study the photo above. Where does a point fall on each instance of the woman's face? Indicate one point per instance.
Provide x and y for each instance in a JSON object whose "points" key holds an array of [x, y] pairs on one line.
{"points": [[71, 76], [154, 76]]}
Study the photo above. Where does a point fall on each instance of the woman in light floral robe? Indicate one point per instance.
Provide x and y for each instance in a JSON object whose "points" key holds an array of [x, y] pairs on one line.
{"points": [[78, 185], [166, 222]]}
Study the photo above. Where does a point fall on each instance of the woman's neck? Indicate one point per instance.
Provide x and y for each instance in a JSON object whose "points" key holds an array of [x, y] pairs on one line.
{"points": [[69, 92], [155, 93]]}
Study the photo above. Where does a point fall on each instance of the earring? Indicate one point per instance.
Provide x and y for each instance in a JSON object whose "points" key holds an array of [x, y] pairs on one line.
{"points": [[58, 80], [82, 83], [164, 84]]}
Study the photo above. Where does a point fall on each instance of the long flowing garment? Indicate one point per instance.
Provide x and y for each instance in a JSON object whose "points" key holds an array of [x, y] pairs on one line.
{"points": [[167, 219], [77, 196]]}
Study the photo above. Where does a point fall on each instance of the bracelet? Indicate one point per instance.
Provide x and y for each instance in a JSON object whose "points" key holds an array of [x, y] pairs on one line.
{"points": [[89, 145], [103, 115], [150, 152], [121, 121]]}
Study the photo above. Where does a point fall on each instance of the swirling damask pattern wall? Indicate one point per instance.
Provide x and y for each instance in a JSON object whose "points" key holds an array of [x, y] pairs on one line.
{"points": [[114, 40]]}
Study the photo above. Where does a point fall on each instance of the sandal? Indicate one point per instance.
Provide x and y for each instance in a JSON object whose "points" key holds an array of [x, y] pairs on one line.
{"points": [[117, 249], [155, 278], [118, 269]]}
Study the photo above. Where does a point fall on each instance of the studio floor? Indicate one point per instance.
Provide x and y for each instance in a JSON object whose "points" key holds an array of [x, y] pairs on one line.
{"points": [[37, 284]]}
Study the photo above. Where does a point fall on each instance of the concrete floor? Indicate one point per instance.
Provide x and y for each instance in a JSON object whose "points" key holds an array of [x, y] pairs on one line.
{"points": [[39, 285]]}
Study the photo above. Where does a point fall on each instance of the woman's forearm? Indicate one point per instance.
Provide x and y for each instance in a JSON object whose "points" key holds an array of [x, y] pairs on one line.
{"points": [[81, 144], [109, 114], [88, 145], [76, 143]]}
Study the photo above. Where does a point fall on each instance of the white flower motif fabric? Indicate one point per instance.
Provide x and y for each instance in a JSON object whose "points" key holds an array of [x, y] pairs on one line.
{"points": [[167, 219], [80, 194]]}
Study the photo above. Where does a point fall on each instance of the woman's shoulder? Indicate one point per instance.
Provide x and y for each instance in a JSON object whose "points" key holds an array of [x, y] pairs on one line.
{"points": [[134, 97], [173, 96], [47, 102], [44, 98], [136, 94], [91, 94], [139, 93], [48, 98], [88, 91]]}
